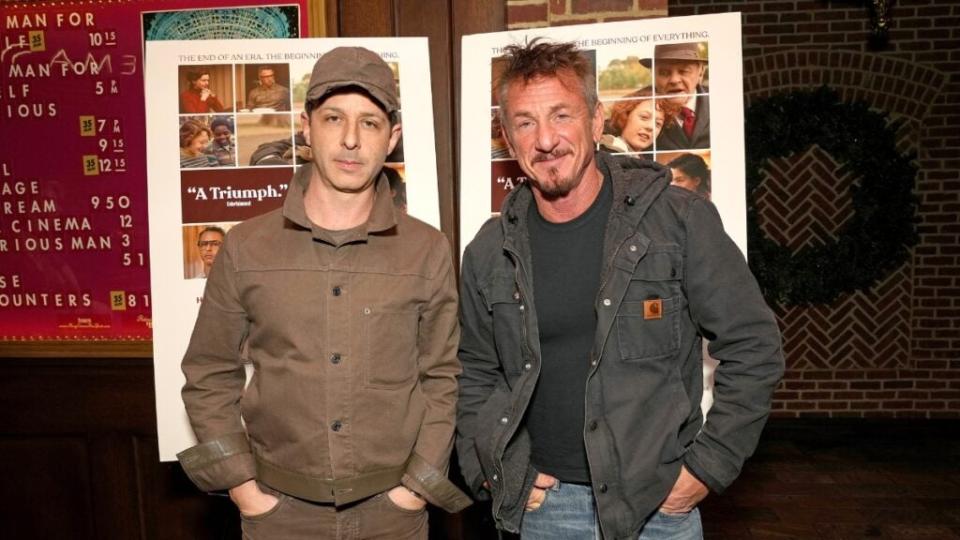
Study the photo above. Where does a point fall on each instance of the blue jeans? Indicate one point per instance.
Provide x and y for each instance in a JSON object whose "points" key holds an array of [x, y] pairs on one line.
{"points": [[569, 513]]}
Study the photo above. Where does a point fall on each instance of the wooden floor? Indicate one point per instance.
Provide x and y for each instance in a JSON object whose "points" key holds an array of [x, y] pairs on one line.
{"points": [[837, 480]]}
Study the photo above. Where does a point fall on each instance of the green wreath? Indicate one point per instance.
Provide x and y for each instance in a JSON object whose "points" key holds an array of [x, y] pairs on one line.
{"points": [[875, 240]]}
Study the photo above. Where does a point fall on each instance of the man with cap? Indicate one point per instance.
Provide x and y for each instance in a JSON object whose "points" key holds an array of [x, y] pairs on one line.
{"points": [[347, 310], [678, 72]]}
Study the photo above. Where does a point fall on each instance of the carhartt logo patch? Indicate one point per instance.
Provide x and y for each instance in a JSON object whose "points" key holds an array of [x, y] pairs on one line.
{"points": [[653, 309]]}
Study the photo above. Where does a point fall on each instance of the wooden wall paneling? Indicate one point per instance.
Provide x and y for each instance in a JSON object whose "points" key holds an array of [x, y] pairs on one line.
{"points": [[113, 486], [331, 19], [172, 505], [366, 18], [45, 487], [99, 396], [79, 459], [470, 17], [431, 18]]}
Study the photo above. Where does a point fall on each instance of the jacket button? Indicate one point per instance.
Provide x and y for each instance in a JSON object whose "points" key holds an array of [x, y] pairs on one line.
{"points": [[602, 488], [335, 358], [504, 420], [633, 248], [516, 295], [521, 307], [336, 425], [592, 426], [527, 366], [607, 302], [336, 291], [495, 477]]}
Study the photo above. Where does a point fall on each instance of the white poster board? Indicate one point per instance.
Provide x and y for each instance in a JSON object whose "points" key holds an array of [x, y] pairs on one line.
{"points": [[246, 173], [625, 59]]}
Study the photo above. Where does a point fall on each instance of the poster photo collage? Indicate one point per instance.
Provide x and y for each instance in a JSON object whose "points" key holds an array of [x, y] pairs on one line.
{"points": [[240, 138], [656, 106]]}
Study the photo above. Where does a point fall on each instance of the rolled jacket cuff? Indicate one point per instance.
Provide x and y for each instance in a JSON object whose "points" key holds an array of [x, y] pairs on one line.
{"points": [[434, 486], [219, 464], [693, 465]]}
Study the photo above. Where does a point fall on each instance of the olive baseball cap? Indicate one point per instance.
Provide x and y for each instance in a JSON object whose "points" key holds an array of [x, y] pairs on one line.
{"points": [[354, 66]]}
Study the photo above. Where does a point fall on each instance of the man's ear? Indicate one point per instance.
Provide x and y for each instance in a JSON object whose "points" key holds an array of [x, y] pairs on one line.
{"points": [[597, 123], [395, 132], [305, 126]]}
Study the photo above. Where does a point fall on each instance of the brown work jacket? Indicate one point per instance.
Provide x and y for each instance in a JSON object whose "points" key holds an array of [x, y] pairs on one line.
{"points": [[353, 340]]}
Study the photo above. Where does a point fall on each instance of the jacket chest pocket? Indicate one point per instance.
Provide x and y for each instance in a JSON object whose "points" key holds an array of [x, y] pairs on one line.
{"points": [[505, 306], [390, 347], [648, 321]]}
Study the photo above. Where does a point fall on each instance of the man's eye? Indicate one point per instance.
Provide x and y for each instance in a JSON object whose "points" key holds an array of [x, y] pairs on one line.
{"points": [[370, 124], [331, 118]]}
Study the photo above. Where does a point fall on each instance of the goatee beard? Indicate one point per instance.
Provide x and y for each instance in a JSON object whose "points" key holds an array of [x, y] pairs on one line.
{"points": [[557, 188]]}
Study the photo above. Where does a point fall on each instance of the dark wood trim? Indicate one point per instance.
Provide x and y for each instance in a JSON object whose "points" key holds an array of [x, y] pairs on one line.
{"points": [[429, 18], [468, 17], [78, 442], [332, 10], [76, 349]]}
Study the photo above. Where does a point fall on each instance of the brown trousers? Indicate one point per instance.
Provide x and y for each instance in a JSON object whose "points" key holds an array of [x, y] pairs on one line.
{"points": [[376, 518]]}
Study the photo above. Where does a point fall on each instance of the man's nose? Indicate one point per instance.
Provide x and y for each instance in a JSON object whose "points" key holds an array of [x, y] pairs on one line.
{"points": [[546, 137], [350, 139]]}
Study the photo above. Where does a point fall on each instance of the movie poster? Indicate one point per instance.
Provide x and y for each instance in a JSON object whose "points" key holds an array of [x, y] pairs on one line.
{"points": [[74, 261], [671, 91], [223, 123]]}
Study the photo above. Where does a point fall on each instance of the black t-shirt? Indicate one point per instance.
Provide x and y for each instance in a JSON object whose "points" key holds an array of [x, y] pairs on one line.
{"points": [[567, 259]]}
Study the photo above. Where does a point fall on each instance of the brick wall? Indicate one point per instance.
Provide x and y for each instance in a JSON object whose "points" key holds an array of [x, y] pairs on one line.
{"points": [[894, 350], [536, 13]]}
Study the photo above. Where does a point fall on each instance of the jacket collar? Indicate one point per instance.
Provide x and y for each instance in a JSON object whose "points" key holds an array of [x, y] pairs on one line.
{"points": [[382, 218], [636, 184]]}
